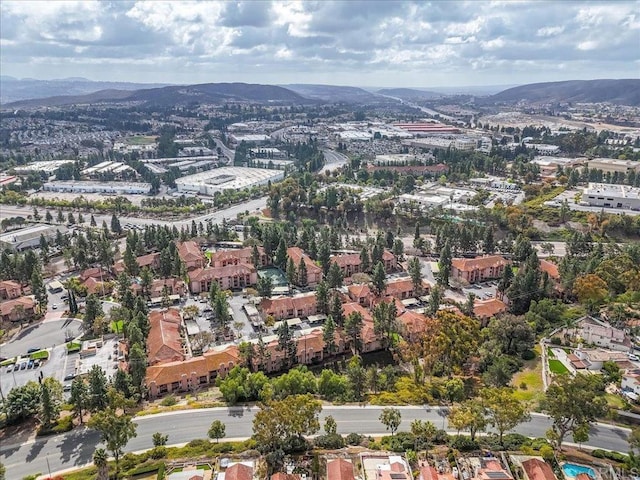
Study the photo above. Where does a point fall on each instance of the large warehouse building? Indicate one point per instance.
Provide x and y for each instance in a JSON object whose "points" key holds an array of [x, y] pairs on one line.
{"points": [[227, 178], [29, 237], [117, 188], [612, 196]]}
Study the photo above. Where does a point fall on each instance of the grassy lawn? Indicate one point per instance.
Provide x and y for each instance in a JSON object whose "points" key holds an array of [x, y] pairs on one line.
{"points": [[550, 353], [141, 140], [8, 361], [73, 347], [614, 401], [556, 366], [531, 378], [40, 355]]}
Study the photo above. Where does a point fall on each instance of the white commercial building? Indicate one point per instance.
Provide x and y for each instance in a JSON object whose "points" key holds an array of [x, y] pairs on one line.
{"points": [[613, 165], [29, 237], [254, 138], [106, 167], [49, 166], [117, 188], [227, 178], [612, 196]]}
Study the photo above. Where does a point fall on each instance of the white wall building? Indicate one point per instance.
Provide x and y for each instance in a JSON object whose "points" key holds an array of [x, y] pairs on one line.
{"points": [[29, 237], [116, 188], [227, 178], [612, 196]]}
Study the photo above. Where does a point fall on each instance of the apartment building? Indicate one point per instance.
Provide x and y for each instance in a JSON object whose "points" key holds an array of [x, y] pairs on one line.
{"points": [[230, 277], [314, 272], [474, 270], [190, 253]]}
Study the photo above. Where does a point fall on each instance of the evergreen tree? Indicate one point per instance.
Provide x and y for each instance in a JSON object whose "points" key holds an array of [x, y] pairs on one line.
{"points": [[334, 277], [281, 254], [302, 273], [365, 264], [322, 297], [97, 389], [115, 225], [353, 328], [415, 272], [255, 257], [92, 221], [38, 289], [137, 367], [445, 264], [336, 310], [292, 274], [379, 280], [328, 336], [79, 397], [324, 256], [286, 343]]}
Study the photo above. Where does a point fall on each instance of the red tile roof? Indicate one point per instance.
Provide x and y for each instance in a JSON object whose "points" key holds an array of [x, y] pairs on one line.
{"points": [[551, 269], [428, 473], [239, 471], [285, 476], [190, 251], [340, 469], [350, 307], [480, 263], [209, 273], [536, 469], [296, 253], [27, 303], [164, 343], [346, 259], [488, 308]]}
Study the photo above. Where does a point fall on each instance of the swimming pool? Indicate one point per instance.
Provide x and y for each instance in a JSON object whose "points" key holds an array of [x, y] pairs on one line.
{"points": [[572, 470]]}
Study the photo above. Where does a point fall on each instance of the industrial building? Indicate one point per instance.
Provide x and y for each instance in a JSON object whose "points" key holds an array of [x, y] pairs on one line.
{"points": [[227, 178], [254, 138], [115, 188], [613, 165], [49, 166], [612, 196], [115, 168], [29, 237]]}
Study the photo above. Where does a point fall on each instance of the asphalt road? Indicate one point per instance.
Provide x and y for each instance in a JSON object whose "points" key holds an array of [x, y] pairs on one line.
{"points": [[216, 217], [333, 160], [75, 448]]}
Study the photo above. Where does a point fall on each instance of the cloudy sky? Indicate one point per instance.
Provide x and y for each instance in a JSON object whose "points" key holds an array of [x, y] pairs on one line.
{"points": [[364, 43]]}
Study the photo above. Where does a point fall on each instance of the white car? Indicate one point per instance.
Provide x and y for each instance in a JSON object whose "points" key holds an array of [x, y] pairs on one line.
{"points": [[633, 357]]}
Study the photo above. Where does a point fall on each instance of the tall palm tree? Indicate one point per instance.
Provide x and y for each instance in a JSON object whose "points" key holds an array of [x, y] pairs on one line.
{"points": [[100, 461]]}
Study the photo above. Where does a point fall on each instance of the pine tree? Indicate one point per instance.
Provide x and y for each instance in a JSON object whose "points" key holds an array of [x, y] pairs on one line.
{"points": [[445, 264], [292, 274], [379, 280], [328, 336], [302, 273], [322, 297], [281, 254], [335, 278]]}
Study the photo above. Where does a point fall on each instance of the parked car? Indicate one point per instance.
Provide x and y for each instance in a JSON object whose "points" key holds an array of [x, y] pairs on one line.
{"points": [[633, 356], [10, 369], [34, 349], [23, 366]]}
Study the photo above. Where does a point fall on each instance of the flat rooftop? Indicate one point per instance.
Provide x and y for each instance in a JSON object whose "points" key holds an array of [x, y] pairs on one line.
{"points": [[620, 191]]}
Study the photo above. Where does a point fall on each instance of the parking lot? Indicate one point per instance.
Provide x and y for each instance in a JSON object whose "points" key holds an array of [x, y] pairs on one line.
{"points": [[482, 291]]}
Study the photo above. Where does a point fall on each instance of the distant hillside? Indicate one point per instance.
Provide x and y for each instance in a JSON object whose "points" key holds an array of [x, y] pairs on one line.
{"points": [[14, 89], [176, 95], [621, 92], [409, 93], [335, 93]]}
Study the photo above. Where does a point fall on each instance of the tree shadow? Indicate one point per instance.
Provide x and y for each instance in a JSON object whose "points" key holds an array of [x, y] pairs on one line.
{"points": [[79, 445], [36, 448], [236, 412]]}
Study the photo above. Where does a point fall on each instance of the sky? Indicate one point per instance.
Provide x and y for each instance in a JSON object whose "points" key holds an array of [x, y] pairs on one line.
{"points": [[360, 43]]}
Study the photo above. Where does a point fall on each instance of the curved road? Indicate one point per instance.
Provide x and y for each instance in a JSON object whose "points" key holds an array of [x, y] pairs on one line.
{"points": [[75, 448]]}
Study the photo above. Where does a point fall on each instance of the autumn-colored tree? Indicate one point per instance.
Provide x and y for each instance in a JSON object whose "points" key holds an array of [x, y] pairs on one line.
{"points": [[591, 291]]}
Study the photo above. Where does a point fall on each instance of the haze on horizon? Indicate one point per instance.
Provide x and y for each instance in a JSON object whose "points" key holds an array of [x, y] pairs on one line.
{"points": [[363, 43]]}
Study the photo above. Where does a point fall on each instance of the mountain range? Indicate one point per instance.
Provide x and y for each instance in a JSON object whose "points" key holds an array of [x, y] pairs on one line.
{"points": [[623, 92]]}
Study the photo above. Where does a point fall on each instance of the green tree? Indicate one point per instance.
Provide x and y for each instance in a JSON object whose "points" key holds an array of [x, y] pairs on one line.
{"points": [[286, 343], [159, 440], [97, 389], [322, 297], [217, 430], [391, 419], [424, 432], [115, 430], [357, 377], [504, 410], [415, 272], [591, 291], [302, 273], [92, 311], [265, 286], [353, 328], [279, 423], [137, 367], [115, 225], [330, 425], [100, 461], [365, 261], [292, 272], [281, 255], [38, 289], [50, 401], [335, 278], [79, 397], [23, 402], [328, 336], [469, 415], [510, 335], [445, 264], [572, 403], [379, 280]]}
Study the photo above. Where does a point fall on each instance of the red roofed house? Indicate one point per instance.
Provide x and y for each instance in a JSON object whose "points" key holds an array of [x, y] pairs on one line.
{"points": [[285, 476], [349, 263], [360, 293], [17, 309], [96, 287], [340, 469], [190, 253], [537, 469], [282, 308], [238, 471], [174, 286], [472, 270], [164, 343], [96, 273], [181, 376], [486, 309], [229, 277], [314, 272], [412, 325], [427, 472], [10, 290], [151, 261], [402, 288], [222, 258]]}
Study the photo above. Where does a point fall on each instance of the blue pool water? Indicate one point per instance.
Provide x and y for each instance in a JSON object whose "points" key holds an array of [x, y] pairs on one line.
{"points": [[571, 470]]}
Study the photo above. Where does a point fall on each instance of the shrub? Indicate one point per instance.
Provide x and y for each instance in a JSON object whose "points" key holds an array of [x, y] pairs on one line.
{"points": [[161, 472], [513, 441], [464, 444], [400, 442], [169, 401], [546, 452], [224, 447], [528, 355], [330, 441], [523, 385], [354, 439], [129, 461], [65, 424], [144, 468], [615, 456], [441, 437], [158, 452], [556, 341]]}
